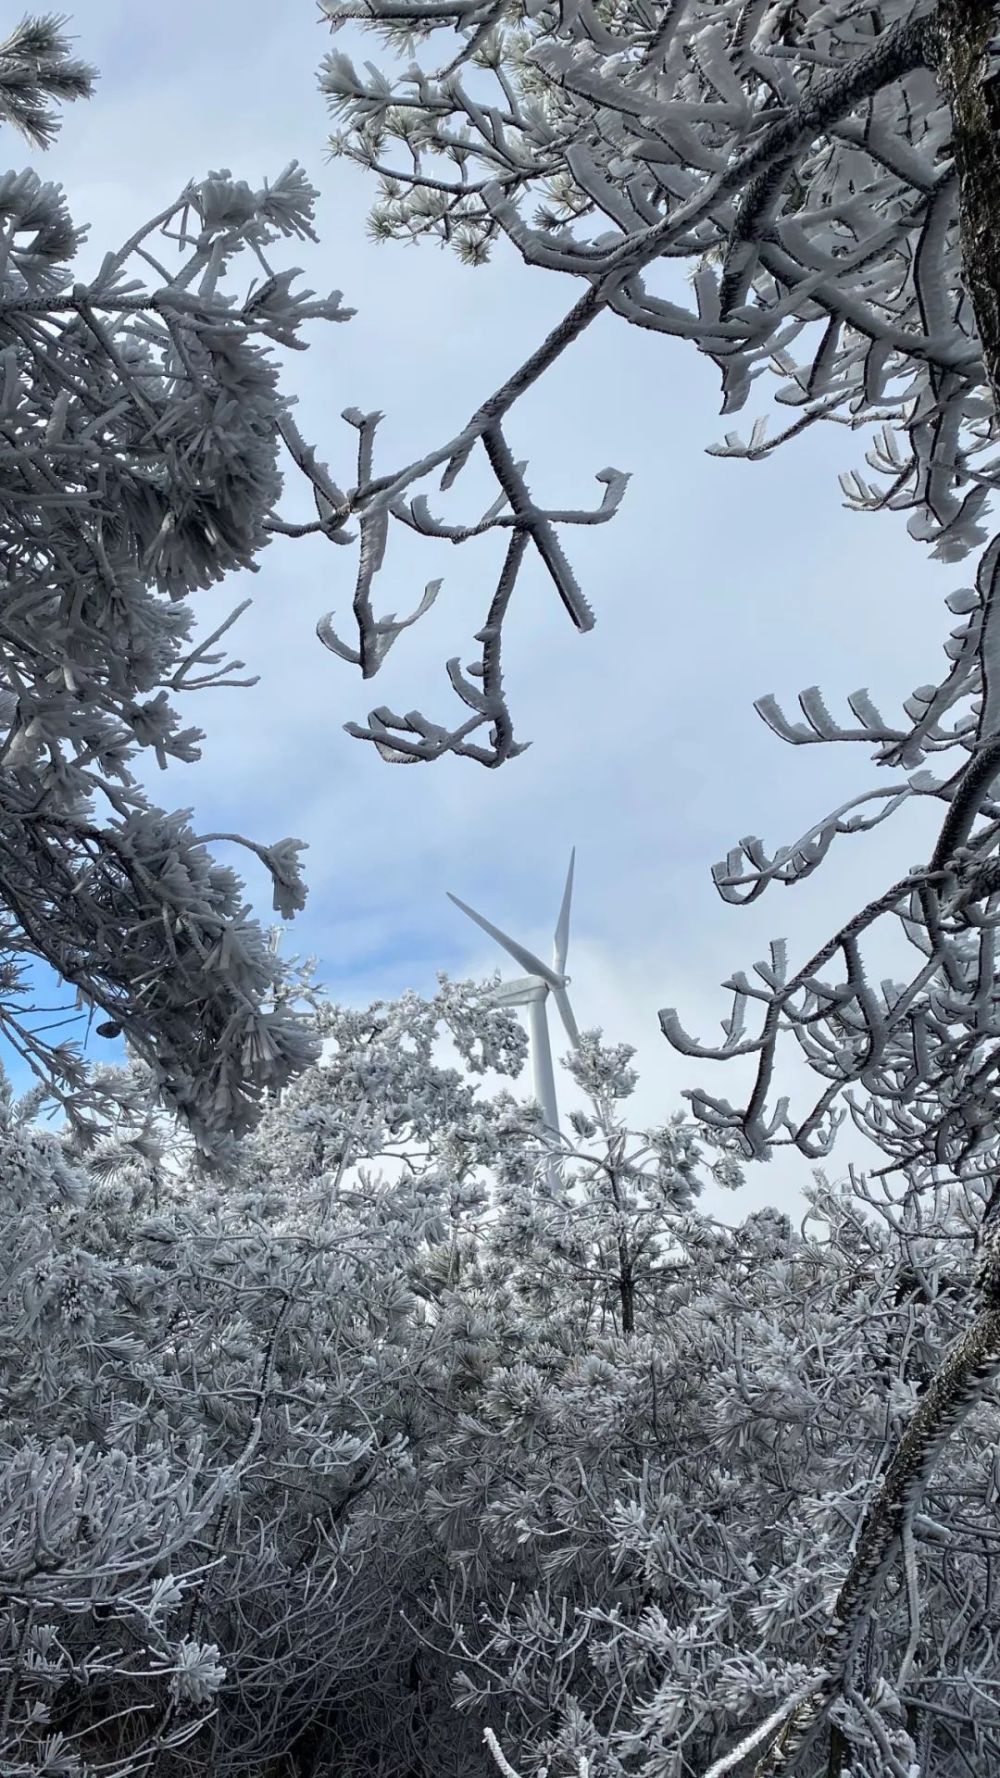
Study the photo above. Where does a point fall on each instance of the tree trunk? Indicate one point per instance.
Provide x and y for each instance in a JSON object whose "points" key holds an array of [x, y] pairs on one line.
{"points": [[971, 84]]}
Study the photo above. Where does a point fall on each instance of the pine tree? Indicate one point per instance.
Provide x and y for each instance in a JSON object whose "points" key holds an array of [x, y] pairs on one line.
{"points": [[140, 431]]}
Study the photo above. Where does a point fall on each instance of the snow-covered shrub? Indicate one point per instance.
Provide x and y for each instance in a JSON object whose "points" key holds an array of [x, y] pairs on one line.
{"points": [[391, 1430]]}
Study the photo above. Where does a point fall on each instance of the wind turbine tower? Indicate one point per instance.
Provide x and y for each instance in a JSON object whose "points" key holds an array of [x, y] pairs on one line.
{"points": [[533, 990]]}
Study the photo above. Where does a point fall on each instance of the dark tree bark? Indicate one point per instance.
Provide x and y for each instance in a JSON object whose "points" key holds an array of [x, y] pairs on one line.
{"points": [[970, 78]]}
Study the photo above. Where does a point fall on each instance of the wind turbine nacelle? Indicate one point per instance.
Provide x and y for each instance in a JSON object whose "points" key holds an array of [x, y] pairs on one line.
{"points": [[524, 992]]}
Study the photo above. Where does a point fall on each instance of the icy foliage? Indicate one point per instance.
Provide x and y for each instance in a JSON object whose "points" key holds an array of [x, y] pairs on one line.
{"points": [[140, 427], [391, 1433]]}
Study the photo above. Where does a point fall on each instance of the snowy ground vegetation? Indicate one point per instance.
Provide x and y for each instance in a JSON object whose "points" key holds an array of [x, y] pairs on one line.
{"points": [[387, 1430]]}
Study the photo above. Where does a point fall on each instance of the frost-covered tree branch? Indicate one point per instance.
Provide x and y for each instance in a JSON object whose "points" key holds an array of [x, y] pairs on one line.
{"points": [[139, 457], [804, 168]]}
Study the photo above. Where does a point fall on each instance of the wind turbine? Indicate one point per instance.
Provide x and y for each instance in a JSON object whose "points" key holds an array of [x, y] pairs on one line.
{"points": [[533, 990]]}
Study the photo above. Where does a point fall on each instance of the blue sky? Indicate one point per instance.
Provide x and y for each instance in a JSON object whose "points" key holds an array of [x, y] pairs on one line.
{"points": [[717, 582]]}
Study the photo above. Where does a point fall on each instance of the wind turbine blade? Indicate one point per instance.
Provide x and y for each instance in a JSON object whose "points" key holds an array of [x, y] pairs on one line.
{"points": [[562, 925], [561, 999], [527, 959]]}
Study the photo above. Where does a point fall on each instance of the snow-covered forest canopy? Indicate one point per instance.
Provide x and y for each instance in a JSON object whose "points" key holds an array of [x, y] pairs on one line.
{"points": [[370, 1403]]}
